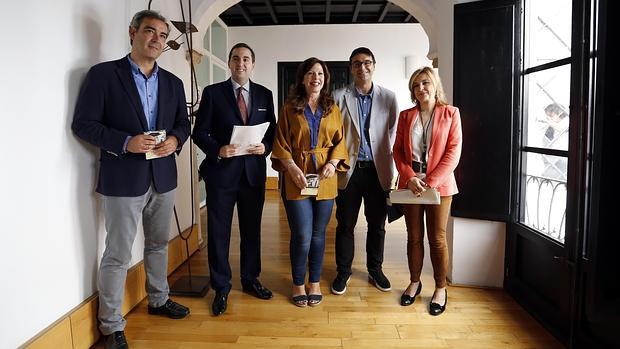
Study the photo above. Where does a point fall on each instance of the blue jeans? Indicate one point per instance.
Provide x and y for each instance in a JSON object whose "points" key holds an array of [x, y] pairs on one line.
{"points": [[307, 219]]}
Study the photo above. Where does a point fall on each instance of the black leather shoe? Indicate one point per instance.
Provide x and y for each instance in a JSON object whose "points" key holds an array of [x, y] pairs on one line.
{"points": [[436, 309], [219, 303], [379, 279], [116, 340], [254, 287], [170, 309], [406, 299]]}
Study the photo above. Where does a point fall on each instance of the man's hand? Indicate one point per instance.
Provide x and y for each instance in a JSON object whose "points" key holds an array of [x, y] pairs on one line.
{"points": [[141, 144], [257, 149], [166, 147], [227, 151]]}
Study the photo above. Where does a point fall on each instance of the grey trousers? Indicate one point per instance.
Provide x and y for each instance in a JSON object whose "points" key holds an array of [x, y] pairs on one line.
{"points": [[122, 215]]}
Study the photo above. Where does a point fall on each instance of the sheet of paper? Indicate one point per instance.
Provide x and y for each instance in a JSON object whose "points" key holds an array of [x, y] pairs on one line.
{"points": [[247, 136], [405, 196]]}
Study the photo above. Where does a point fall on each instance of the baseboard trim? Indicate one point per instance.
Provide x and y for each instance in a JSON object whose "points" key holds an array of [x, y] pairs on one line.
{"points": [[78, 328]]}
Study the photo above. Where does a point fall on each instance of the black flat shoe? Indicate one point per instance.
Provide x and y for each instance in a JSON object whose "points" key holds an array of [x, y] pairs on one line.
{"points": [[170, 309], [406, 299], [435, 308], [254, 287], [220, 302]]}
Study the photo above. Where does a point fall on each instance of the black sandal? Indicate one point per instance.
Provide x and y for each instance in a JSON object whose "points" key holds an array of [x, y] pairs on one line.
{"points": [[301, 300], [314, 299]]}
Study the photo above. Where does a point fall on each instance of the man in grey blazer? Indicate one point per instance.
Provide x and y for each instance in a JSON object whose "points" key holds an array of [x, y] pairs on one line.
{"points": [[369, 113]]}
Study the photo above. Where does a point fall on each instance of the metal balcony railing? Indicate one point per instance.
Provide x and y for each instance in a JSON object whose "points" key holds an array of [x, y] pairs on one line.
{"points": [[545, 206]]}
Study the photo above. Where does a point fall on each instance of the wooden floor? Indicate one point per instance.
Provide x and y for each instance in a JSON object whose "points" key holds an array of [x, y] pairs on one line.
{"points": [[362, 318]]}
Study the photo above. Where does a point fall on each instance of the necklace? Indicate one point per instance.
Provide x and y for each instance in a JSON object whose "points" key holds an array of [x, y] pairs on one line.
{"points": [[425, 137]]}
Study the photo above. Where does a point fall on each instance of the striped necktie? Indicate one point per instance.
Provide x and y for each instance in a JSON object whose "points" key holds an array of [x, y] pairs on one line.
{"points": [[243, 109]]}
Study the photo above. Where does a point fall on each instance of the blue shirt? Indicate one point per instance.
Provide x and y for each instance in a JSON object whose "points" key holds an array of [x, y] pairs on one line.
{"points": [[364, 105], [314, 122], [148, 90]]}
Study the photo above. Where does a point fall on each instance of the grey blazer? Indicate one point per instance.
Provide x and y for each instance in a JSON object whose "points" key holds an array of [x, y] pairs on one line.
{"points": [[383, 119]]}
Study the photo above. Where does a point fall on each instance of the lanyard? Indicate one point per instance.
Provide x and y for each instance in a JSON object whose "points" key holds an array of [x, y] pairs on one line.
{"points": [[424, 136]]}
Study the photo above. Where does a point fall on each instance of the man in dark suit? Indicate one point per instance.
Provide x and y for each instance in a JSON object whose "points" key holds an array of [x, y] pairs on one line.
{"points": [[121, 103], [231, 178]]}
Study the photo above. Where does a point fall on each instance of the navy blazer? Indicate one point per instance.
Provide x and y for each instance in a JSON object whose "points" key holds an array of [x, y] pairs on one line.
{"points": [[109, 109], [217, 115]]}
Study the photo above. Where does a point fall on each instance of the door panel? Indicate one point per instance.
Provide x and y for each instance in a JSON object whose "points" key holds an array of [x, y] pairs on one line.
{"points": [[484, 92], [537, 275]]}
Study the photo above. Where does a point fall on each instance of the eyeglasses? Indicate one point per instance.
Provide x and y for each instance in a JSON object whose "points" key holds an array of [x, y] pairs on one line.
{"points": [[367, 63]]}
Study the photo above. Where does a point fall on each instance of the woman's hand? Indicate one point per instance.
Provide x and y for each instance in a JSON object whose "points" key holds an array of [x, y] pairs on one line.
{"points": [[297, 175], [328, 170], [417, 186]]}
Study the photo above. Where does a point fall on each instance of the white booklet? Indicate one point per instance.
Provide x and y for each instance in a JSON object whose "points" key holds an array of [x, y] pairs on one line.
{"points": [[404, 196], [247, 136]]}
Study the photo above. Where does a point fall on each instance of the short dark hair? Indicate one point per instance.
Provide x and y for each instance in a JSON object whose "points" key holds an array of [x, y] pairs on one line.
{"points": [[241, 44], [137, 19], [362, 50]]}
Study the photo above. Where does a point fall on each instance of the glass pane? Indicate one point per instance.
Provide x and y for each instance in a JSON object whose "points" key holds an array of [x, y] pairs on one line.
{"points": [[219, 74], [218, 41], [549, 31], [545, 195], [546, 124], [207, 40], [203, 73]]}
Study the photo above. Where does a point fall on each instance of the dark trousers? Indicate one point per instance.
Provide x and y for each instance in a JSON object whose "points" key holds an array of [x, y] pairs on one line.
{"points": [[363, 184], [220, 206]]}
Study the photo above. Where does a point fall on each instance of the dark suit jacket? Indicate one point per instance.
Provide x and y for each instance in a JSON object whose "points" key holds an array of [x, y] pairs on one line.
{"points": [[109, 109], [217, 115]]}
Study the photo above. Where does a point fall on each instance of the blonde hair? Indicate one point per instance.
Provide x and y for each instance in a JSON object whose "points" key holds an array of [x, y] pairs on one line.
{"points": [[440, 96]]}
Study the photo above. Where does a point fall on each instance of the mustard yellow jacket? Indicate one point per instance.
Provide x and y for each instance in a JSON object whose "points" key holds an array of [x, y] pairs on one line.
{"points": [[292, 141]]}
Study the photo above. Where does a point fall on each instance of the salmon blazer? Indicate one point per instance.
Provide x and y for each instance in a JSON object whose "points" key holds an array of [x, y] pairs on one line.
{"points": [[444, 152], [292, 141]]}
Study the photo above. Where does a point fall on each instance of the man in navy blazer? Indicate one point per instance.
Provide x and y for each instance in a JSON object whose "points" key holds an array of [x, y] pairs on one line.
{"points": [[234, 179], [121, 103]]}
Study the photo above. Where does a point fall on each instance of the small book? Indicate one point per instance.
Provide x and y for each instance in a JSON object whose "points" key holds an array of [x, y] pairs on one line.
{"points": [[160, 136], [312, 185]]}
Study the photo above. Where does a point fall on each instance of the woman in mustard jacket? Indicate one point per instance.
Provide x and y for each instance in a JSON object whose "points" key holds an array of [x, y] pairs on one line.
{"points": [[426, 151], [309, 141]]}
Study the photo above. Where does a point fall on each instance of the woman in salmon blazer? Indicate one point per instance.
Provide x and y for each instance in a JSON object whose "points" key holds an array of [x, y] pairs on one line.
{"points": [[309, 141], [426, 151]]}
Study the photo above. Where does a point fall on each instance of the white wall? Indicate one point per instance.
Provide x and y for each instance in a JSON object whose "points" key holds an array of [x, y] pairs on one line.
{"points": [[51, 221], [273, 44]]}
